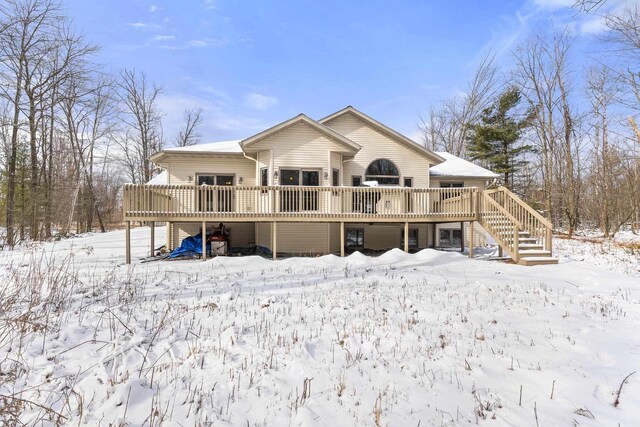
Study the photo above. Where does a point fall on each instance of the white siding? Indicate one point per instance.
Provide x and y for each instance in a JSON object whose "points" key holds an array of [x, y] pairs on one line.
{"points": [[479, 234], [241, 234], [300, 146], [181, 169], [303, 239], [389, 236], [376, 145], [263, 234], [436, 181]]}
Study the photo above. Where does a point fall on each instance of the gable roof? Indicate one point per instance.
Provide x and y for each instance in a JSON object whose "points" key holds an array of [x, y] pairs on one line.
{"points": [[301, 118], [222, 148], [454, 166], [210, 147], [161, 179], [382, 128]]}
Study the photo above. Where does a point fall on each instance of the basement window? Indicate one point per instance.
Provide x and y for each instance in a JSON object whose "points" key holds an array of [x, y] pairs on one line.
{"points": [[450, 238], [413, 238], [354, 238]]}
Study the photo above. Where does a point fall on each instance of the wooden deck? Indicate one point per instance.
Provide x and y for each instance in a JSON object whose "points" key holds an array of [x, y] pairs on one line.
{"points": [[519, 230], [186, 203]]}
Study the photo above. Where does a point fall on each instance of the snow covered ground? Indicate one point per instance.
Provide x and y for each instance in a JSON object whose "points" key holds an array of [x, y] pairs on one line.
{"points": [[427, 339]]}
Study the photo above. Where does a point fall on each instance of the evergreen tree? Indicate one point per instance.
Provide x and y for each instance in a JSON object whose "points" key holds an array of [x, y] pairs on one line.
{"points": [[496, 139]]}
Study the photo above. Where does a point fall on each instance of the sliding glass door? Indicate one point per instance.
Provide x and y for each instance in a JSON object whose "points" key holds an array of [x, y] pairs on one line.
{"points": [[295, 199], [210, 200]]}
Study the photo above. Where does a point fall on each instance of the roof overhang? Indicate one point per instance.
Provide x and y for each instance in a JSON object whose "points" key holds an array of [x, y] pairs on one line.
{"points": [[386, 130], [451, 177], [162, 157], [350, 147]]}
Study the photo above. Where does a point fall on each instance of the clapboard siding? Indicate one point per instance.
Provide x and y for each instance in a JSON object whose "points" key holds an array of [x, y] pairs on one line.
{"points": [[241, 234], [181, 170], [437, 181], [263, 234], [389, 236], [376, 145], [479, 234], [303, 239], [336, 163], [300, 146]]}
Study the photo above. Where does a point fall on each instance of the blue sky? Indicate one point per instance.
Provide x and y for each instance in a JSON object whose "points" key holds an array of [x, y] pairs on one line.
{"points": [[252, 64]]}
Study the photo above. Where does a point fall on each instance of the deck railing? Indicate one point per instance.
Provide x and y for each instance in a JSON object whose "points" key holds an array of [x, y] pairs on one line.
{"points": [[300, 202]]}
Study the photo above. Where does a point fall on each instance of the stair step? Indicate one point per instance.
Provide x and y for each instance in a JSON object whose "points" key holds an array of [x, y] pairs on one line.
{"points": [[529, 261], [534, 253], [529, 246], [527, 240]]}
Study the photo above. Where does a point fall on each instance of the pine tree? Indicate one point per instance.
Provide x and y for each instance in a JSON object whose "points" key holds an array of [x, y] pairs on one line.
{"points": [[496, 139]]}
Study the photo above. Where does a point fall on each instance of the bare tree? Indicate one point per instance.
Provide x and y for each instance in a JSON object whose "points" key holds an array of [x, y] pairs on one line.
{"points": [[448, 124], [189, 134], [141, 122], [24, 25], [602, 92]]}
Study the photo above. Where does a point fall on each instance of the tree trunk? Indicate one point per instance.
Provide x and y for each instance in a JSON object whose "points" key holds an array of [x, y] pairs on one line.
{"points": [[13, 154]]}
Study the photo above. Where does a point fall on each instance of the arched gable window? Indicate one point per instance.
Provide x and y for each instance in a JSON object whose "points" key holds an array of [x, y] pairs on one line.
{"points": [[384, 171]]}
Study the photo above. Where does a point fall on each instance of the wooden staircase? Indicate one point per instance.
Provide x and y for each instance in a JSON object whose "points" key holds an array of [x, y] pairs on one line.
{"points": [[521, 232]]}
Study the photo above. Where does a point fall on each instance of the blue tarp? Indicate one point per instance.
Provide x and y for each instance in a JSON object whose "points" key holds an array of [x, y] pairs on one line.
{"points": [[190, 246]]}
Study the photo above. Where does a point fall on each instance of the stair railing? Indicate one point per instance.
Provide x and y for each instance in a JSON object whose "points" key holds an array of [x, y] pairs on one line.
{"points": [[538, 227], [503, 226]]}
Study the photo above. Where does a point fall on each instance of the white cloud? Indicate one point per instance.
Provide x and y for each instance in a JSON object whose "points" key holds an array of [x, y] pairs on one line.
{"points": [[218, 121], [259, 101], [155, 8], [138, 25], [554, 4], [160, 38], [429, 87], [593, 26]]}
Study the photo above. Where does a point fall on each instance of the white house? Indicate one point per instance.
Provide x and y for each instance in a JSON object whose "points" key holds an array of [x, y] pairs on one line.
{"points": [[341, 183]]}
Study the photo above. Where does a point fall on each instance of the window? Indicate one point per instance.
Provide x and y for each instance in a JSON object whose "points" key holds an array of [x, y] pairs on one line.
{"points": [[356, 181], [408, 182], [335, 178], [264, 176], [413, 238], [354, 238], [451, 184], [384, 171], [450, 237]]}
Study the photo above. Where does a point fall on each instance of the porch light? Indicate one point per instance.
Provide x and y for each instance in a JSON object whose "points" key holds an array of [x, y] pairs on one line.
{"points": [[275, 174], [240, 180], [325, 175], [189, 178]]}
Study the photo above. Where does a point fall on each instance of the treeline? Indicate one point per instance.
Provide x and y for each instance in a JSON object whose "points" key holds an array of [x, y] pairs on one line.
{"points": [[70, 133], [563, 137]]}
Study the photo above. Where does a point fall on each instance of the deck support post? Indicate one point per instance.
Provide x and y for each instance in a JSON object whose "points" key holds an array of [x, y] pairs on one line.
{"points": [[499, 250], [342, 239], [547, 241], [461, 236], [152, 224], [204, 240], [516, 244], [128, 242], [406, 236], [470, 239], [433, 235], [274, 240]]}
